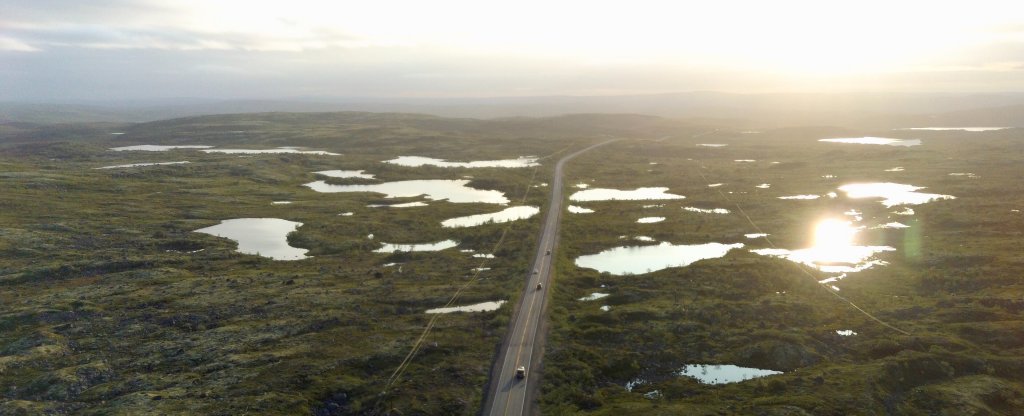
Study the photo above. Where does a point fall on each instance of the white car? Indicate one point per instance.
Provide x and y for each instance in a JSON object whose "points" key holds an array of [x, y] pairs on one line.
{"points": [[521, 372]]}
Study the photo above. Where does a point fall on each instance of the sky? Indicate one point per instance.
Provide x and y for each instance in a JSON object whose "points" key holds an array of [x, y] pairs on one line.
{"points": [[53, 50]]}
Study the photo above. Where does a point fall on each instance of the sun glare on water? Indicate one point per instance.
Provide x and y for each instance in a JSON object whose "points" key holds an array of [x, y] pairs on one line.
{"points": [[832, 234]]}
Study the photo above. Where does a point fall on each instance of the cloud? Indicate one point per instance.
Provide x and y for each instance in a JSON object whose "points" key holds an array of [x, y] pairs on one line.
{"points": [[11, 44]]}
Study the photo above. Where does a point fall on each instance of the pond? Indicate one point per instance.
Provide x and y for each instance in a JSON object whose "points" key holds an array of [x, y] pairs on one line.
{"points": [[723, 373], [645, 259], [402, 205], [291, 150], [892, 194], [267, 237], [454, 191], [602, 194], [650, 220], [345, 174], [156, 148], [593, 296], [805, 197], [394, 248], [579, 210], [417, 161], [707, 211], [505, 215], [477, 307], [875, 140], [833, 249], [134, 165]]}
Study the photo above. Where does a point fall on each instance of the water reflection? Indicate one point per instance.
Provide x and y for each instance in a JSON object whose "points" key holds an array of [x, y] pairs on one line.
{"points": [[417, 161], [436, 189], [707, 211], [271, 151], [267, 237], [134, 165], [723, 374], [875, 140], [478, 307], [602, 194], [833, 250], [891, 193], [438, 246], [345, 174], [505, 215], [579, 210], [650, 220], [593, 296], [646, 259], [156, 148]]}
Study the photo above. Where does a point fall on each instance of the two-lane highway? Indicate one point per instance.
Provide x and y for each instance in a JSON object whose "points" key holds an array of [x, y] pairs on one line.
{"points": [[508, 395]]}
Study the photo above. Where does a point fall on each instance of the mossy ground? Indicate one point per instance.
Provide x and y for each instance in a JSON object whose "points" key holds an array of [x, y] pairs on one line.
{"points": [[107, 307]]}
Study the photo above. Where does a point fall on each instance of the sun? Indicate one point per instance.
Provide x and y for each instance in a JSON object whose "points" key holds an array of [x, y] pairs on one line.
{"points": [[833, 235]]}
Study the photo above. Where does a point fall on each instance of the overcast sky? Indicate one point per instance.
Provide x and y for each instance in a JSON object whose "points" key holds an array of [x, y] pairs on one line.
{"points": [[53, 50]]}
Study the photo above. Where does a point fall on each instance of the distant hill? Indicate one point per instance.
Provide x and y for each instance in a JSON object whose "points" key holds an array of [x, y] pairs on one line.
{"points": [[878, 110]]}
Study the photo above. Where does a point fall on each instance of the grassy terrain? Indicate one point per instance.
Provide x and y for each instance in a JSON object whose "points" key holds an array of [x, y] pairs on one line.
{"points": [[110, 304], [954, 283]]}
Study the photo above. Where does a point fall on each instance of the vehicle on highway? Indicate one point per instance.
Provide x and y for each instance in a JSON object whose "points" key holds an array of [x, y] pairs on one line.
{"points": [[520, 372], [535, 271], [548, 253], [540, 286]]}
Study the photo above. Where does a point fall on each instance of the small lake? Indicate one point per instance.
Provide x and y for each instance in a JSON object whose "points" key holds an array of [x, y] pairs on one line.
{"points": [[892, 225], [875, 140], [278, 150], [438, 246], [892, 194], [579, 210], [505, 215], [477, 307], [593, 296], [905, 211], [156, 148], [402, 205], [135, 165], [602, 194], [417, 161], [831, 259], [707, 211], [345, 174], [805, 197], [650, 220], [267, 237], [723, 374], [646, 259], [454, 191], [845, 332]]}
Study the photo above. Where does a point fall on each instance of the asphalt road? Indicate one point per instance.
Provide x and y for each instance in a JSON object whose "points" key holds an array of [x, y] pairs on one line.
{"points": [[524, 342]]}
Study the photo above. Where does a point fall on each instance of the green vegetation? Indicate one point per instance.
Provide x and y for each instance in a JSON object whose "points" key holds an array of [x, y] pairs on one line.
{"points": [[954, 282], [112, 305]]}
